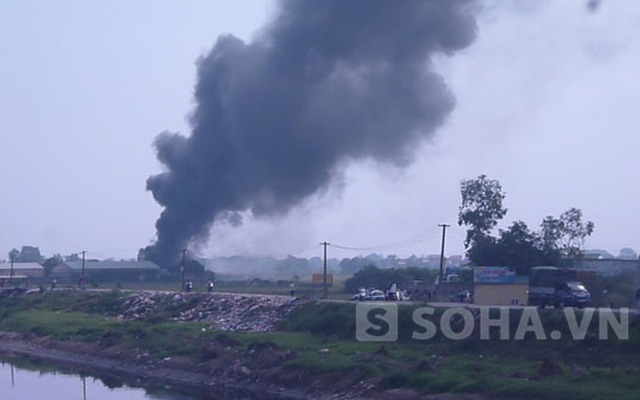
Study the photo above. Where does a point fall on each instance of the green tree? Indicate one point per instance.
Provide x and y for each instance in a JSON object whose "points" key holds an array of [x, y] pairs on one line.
{"points": [[353, 265], [50, 263], [517, 246], [520, 247], [382, 278], [26, 254], [550, 235], [575, 231], [627, 253], [566, 235], [481, 207], [293, 266], [483, 251]]}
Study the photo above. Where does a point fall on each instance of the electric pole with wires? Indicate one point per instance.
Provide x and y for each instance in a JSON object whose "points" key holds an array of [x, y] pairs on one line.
{"points": [[444, 227], [325, 288]]}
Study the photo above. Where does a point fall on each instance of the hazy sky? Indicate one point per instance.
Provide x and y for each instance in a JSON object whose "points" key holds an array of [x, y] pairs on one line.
{"points": [[547, 101]]}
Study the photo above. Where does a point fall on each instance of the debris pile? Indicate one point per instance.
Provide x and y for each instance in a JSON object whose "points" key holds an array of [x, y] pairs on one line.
{"points": [[140, 305], [241, 312], [224, 311]]}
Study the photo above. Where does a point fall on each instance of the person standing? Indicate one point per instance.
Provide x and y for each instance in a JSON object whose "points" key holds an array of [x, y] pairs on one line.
{"points": [[393, 292], [292, 289]]}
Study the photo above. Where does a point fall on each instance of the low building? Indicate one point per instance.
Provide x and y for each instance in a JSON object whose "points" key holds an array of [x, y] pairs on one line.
{"points": [[23, 269], [112, 271], [501, 294], [499, 286]]}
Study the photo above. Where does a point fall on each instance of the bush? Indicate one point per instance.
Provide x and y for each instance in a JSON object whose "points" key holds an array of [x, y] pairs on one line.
{"points": [[372, 276]]}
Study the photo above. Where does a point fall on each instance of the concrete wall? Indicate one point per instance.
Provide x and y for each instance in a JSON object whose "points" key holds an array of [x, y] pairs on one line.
{"points": [[500, 294]]}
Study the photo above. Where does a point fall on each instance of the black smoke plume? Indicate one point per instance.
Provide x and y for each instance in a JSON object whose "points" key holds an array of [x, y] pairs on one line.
{"points": [[325, 82]]}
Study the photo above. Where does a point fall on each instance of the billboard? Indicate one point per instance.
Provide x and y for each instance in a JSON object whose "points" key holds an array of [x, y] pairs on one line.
{"points": [[318, 279], [494, 275]]}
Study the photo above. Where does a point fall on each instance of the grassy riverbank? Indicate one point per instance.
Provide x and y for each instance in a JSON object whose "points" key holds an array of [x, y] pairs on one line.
{"points": [[316, 347]]}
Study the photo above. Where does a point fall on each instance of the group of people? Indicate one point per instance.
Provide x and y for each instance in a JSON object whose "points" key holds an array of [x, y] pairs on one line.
{"points": [[392, 292], [188, 286]]}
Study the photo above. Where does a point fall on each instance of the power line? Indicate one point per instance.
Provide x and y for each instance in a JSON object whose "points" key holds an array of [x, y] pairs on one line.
{"points": [[325, 288], [378, 248], [415, 239]]}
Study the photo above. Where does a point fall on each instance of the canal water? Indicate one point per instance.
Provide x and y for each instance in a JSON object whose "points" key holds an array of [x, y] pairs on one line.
{"points": [[34, 382]]}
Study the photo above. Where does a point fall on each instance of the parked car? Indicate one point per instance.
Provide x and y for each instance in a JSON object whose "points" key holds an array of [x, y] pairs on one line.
{"points": [[360, 295], [464, 296], [377, 295], [369, 294]]}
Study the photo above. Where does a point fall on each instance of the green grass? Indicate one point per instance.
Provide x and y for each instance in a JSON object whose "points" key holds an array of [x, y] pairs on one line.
{"points": [[59, 325], [322, 362]]}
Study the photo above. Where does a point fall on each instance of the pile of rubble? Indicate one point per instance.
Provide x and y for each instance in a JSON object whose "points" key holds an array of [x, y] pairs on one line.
{"points": [[140, 305], [224, 311]]}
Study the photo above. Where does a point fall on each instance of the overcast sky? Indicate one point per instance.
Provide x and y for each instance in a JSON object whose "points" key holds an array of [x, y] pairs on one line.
{"points": [[547, 103]]}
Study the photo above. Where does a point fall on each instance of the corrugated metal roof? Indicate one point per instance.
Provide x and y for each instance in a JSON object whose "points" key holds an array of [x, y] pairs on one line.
{"points": [[20, 266], [121, 265]]}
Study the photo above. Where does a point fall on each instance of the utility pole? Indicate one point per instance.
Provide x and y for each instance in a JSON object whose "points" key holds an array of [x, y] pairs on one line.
{"points": [[184, 269], [11, 271], [444, 228], [325, 288], [83, 277]]}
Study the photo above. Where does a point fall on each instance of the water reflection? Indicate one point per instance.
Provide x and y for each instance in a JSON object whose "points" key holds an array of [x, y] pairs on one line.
{"points": [[31, 382]]}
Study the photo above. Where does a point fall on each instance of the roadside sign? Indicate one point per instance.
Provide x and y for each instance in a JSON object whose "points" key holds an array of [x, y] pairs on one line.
{"points": [[318, 279], [494, 275]]}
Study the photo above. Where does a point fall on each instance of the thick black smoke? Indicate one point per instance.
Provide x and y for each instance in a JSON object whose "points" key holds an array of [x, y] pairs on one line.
{"points": [[326, 82]]}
